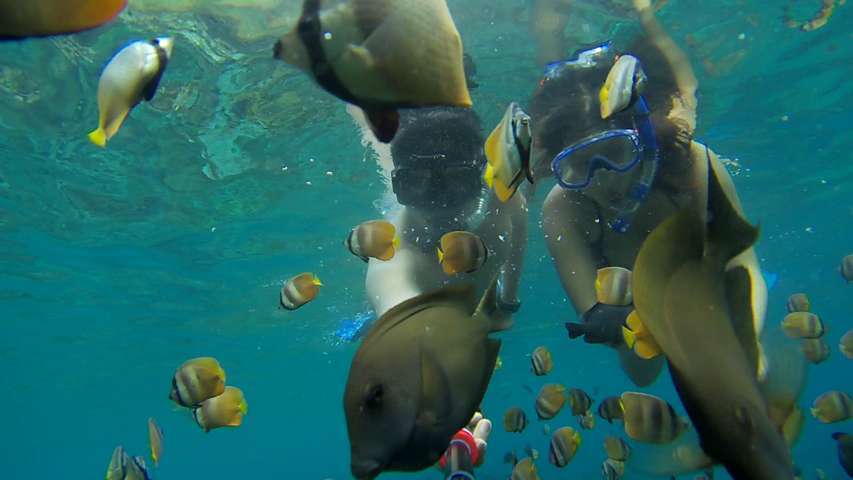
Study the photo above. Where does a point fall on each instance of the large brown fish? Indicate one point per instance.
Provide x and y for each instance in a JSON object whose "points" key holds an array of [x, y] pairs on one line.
{"points": [[698, 309], [417, 378]]}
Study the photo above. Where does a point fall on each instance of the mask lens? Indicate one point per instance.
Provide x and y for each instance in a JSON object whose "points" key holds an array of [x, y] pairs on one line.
{"points": [[617, 152]]}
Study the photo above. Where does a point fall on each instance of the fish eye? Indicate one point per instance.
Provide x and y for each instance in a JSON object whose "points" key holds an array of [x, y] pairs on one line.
{"points": [[373, 398]]}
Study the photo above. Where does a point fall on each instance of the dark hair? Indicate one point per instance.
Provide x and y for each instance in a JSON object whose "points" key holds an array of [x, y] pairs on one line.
{"points": [[452, 131], [566, 108]]}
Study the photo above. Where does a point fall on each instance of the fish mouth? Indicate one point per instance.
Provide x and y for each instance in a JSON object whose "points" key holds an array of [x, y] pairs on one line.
{"points": [[366, 468]]}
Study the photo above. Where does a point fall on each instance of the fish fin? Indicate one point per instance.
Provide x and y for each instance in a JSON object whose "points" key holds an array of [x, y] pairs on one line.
{"points": [[492, 146], [728, 233], [434, 385], [316, 280], [396, 242], [151, 87], [739, 294], [440, 255], [503, 192], [99, 137], [383, 123], [496, 318], [576, 329], [386, 255], [363, 55], [489, 175], [647, 349], [115, 124]]}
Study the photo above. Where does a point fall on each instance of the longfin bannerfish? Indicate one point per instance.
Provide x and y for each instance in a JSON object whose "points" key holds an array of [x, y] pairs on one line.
{"points": [[380, 55], [610, 409], [525, 469], [833, 406], [622, 88], [580, 401], [135, 469], [508, 153], [815, 350], [226, 410], [612, 469], [196, 380], [846, 268], [638, 338], [374, 239], [132, 75], [155, 441], [515, 420], [550, 400], [461, 252], [36, 18], [616, 448], [565, 443], [299, 290], [613, 286]]}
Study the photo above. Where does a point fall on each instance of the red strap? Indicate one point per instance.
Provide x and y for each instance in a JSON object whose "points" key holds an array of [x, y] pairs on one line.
{"points": [[467, 438]]}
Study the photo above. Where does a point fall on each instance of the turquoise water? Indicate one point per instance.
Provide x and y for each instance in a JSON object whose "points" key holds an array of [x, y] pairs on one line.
{"points": [[116, 265]]}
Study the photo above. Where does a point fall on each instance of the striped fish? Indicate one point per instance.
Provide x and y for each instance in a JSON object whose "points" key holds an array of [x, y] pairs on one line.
{"points": [[610, 409], [613, 286], [550, 401], [815, 350], [542, 362], [650, 419], [580, 401], [802, 325], [196, 380], [798, 302], [832, 407], [515, 420], [374, 239], [616, 448], [564, 445], [461, 252], [299, 290]]}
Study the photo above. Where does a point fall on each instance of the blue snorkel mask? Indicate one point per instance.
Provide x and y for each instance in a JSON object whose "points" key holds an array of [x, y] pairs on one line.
{"points": [[617, 150]]}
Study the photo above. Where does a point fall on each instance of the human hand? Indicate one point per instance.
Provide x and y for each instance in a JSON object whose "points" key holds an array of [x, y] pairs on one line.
{"points": [[602, 324]]}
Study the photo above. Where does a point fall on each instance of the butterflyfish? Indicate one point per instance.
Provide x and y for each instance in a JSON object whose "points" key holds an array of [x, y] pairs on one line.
{"points": [[565, 443], [508, 153], [226, 410], [374, 239], [299, 290], [461, 252], [196, 380]]}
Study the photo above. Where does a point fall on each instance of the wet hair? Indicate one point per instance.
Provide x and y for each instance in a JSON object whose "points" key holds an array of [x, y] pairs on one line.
{"points": [[454, 132], [566, 108]]}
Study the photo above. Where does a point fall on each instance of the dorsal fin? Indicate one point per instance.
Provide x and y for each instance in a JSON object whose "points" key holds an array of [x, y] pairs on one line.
{"points": [[728, 233]]}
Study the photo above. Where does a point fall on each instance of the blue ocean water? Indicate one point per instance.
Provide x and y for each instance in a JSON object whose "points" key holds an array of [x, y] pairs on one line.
{"points": [[116, 265]]}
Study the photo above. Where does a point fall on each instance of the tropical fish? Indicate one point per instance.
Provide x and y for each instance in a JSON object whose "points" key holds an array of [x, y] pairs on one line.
{"points": [[650, 419], [580, 401], [798, 302], [610, 409], [832, 407], [196, 380], [624, 84], [550, 400], [417, 378], [380, 55], [616, 448], [135, 469], [508, 153], [613, 286], [815, 350], [515, 420], [541, 360], [115, 470], [564, 445], [845, 451], [802, 325], [299, 290], [374, 239], [226, 410], [132, 75], [846, 344], [525, 469], [155, 441], [701, 310], [638, 338], [461, 252], [846, 268], [612, 469], [531, 452], [587, 421], [36, 18]]}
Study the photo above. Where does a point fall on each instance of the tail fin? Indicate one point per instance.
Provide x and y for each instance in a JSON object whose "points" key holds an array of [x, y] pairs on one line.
{"points": [[576, 329], [99, 137]]}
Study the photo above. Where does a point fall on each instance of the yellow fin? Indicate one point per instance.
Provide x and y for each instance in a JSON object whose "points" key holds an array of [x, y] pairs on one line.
{"points": [[440, 255], [630, 338], [489, 175], [99, 137], [316, 281], [503, 192], [396, 242], [492, 147], [647, 348], [386, 255]]}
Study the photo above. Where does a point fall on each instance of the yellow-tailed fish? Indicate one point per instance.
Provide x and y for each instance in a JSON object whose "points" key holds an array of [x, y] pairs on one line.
{"points": [[802, 325], [793, 426], [616, 448], [846, 344], [624, 85], [508, 153], [226, 410], [461, 252], [196, 380], [845, 451], [525, 469], [638, 338], [515, 420], [541, 360], [580, 401], [115, 470], [299, 290], [374, 239], [832, 407], [131, 76], [155, 441], [564, 445], [380, 55], [610, 409], [550, 400], [815, 350], [650, 419], [613, 286], [36, 18], [798, 302], [846, 268]]}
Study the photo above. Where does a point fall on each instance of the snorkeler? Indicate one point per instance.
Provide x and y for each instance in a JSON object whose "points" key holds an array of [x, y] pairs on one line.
{"points": [[621, 173], [435, 168]]}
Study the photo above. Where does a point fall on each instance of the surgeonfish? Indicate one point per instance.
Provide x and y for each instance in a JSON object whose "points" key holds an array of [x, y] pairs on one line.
{"points": [[374, 239], [115, 470], [155, 441], [815, 350], [610, 409], [579, 401], [37, 18], [624, 84], [564, 445], [299, 290], [616, 448], [845, 451], [525, 469], [846, 344], [541, 360], [515, 420], [802, 325], [704, 312], [550, 400], [832, 407], [508, 153], [417, 378], [461, 252], [846, 268], [798, 302], [380, 55], [613, 286], [226, 410], [196, 380], [612, 469], [650, 419], [638, 338], [132, 75]]}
